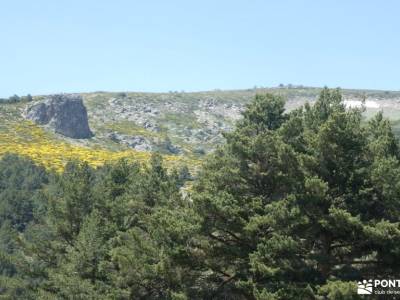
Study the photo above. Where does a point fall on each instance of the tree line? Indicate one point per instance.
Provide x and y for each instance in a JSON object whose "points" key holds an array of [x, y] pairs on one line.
{"points": [[16, 98], [295, 205]]}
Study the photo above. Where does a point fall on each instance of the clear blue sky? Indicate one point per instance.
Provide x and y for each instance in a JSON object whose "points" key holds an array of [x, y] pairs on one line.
{"points": [[49, 46]]}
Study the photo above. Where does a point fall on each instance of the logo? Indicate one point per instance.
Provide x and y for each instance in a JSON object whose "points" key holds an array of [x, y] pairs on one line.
{"points": [[378, 287], [365, 287]]}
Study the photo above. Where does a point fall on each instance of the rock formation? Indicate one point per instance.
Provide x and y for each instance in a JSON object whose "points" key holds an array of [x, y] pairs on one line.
{"points": [[136, 142], [64, 113]]}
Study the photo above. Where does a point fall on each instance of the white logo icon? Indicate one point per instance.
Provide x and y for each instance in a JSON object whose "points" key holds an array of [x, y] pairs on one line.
{"points": [[364, 287]]}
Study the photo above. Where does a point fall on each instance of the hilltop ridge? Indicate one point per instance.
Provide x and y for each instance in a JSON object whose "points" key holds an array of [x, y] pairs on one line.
{"points": [[193, 122], [176, 124]]}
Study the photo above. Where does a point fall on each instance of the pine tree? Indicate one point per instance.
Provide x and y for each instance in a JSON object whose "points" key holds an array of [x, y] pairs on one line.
{"points": [[83, 273], [299, 208], [71, 200]]}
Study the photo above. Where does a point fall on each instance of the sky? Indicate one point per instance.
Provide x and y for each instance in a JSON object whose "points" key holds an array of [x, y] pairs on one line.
{"points": [[49, 46]]}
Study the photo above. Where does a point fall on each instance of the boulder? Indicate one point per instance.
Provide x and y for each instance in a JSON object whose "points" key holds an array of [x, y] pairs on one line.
{"points": [[136, 142], [64, 113]]}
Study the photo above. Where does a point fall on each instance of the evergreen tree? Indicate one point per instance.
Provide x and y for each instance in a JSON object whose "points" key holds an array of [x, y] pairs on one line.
{"points": [[71, 200], [151, 256], [83, 272], [21, 182], [300, 208]]}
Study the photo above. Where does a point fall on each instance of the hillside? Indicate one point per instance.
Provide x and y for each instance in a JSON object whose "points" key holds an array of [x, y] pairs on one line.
{"points": [[293, 206], [180, 125]]}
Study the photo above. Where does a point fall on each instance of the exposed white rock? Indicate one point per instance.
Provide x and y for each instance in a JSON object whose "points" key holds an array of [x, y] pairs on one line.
{"points": [[359, 103]]}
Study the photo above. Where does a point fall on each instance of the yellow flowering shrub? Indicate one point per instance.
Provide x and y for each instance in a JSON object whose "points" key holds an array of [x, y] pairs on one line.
{"points": [[28, 139]]}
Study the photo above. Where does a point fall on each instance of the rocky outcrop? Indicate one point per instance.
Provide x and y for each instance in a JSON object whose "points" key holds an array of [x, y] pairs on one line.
{"points": [[136, 142], [64, 113]]}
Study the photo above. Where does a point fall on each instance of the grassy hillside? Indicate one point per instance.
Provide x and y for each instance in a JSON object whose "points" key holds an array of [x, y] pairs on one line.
{"points": [[182, 126], [21, 136]]}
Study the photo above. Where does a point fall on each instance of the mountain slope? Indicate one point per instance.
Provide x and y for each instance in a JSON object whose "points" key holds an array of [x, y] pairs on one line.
{"points": [[194, 122], [182, 126]]}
